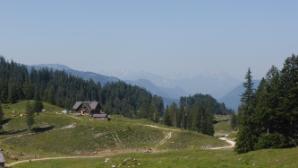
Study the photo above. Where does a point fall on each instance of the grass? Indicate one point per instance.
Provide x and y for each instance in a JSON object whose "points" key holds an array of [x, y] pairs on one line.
{"points": [[85, 136], [277, 158], [191, 140], [222, 126]]}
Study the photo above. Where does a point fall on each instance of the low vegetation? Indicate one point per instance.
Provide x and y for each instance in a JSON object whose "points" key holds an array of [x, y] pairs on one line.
{"points": [[278, 158]]}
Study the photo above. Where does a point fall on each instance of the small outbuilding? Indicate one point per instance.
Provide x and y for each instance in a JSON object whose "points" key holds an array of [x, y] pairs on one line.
{"points": [[87, 107], [91, 108]]}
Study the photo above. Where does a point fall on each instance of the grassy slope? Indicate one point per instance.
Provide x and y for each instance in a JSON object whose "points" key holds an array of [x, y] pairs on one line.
{"points": [[279, 158], [88, 136]]}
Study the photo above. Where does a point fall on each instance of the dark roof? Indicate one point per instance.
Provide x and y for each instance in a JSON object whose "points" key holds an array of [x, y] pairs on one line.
{"points": [[101, 115], [91, 104], [77, 105]]}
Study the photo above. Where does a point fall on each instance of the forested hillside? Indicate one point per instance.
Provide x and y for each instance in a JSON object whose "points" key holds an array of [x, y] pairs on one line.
{"points": [[195, 113], [103, 79], [62, 89]]}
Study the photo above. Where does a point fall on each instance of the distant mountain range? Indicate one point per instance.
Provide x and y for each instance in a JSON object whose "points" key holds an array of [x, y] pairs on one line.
{"points": [[232, 98], [174, 93], [217, 85]]}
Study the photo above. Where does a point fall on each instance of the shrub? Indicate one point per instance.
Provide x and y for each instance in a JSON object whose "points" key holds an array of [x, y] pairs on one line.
{"points": [[274, 140]]}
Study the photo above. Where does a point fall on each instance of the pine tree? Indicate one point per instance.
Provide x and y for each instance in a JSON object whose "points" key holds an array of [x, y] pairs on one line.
{"points": [[267, 102], [37, 105], [167, 117], [246, 137], [204, 120], [29, 115], [173, 110], [28, 89], [234, 121], [12, 93], [183, 113], [262, 111], [287, 110]]}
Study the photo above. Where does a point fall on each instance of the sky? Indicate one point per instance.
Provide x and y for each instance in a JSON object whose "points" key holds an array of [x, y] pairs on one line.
{"points": [[171, 38]]}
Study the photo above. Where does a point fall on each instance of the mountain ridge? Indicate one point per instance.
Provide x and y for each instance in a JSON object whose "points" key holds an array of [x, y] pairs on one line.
{"points": [[103, 79], [232, 98]]}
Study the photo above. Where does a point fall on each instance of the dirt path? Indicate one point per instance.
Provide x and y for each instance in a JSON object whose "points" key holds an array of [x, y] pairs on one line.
{"points": [[100, 155], [165, 139], [163, 128], [230, 142], [168, 135]]}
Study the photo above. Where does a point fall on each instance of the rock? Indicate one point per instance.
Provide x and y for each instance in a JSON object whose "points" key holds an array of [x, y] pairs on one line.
{"points": [[107, 160]]}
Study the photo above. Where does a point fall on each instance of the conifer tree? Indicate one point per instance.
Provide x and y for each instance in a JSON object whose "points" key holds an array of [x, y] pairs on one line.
{"points": [[287, 113], [173, 110], [234, 121], [29, 115], [261, 114], [167, 117], [246, 137], [37, 105]]}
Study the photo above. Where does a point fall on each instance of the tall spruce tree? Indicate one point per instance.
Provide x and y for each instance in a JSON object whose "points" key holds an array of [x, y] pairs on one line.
{"points": [[167, 117], [247, 137], [270, 96], [173, 110], [234, 121], [288, 109], [261, 114]]}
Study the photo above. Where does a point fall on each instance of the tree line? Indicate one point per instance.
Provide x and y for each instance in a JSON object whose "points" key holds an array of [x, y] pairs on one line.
{"points": [[195, 113], [268, 116], [18, 82]]}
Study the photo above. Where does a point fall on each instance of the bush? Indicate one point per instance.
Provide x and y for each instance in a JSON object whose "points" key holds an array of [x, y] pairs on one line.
{"points": [[274, 140], [37, 106]]}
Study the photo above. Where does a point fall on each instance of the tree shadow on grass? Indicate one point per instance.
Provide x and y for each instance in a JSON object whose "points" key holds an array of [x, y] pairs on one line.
{"points": [[13, 132], [5, 121], [41, 129]]}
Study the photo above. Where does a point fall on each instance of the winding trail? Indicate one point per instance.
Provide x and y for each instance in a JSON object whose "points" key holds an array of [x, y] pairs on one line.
{"points": [[223, 138], [230, 142], [102, 154]]}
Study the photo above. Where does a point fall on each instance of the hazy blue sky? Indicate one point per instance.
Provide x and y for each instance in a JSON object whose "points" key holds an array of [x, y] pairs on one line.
{"points": [[165, 37]]}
